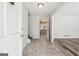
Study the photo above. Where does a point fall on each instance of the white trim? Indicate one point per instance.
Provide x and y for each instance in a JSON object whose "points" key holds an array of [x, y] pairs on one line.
{"points": [[66, 37], [52, 28], [5, 18], [20, 26]]}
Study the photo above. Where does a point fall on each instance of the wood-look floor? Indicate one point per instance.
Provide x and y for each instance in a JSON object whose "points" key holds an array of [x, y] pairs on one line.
{"points": [[41, 47]]}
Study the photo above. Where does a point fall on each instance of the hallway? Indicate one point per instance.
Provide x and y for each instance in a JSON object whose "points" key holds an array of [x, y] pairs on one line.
{"points": [[41, 47]]}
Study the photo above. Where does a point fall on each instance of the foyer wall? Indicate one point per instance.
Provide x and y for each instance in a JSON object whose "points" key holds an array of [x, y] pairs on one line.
{"points": [[66, 21]]}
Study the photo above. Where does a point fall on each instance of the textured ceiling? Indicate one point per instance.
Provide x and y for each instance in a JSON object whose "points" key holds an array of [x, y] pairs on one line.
{"points": [[46, 10]]}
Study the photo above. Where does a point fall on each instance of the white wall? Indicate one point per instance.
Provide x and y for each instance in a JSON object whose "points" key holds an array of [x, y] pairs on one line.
{"points": [[68, 9], [66, 26], [34, 25], [66, 21]]}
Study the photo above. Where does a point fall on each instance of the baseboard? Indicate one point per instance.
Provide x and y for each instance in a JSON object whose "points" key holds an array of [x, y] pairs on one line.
{"points": [[66, 38]]}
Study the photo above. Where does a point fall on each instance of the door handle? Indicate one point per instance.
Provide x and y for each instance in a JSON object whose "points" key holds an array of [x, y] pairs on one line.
{"points": [[22, 35]]}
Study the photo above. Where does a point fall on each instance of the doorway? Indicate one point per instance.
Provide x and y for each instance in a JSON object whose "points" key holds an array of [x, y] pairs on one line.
{"points": [[44, 29]]}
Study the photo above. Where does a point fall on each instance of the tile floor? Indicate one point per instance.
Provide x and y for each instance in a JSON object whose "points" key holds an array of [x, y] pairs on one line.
{"points": [[41, 47]]}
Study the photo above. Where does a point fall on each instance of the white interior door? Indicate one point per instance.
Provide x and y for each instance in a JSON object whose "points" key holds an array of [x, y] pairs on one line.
{"points": [[13, 28], [1, 19]]}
